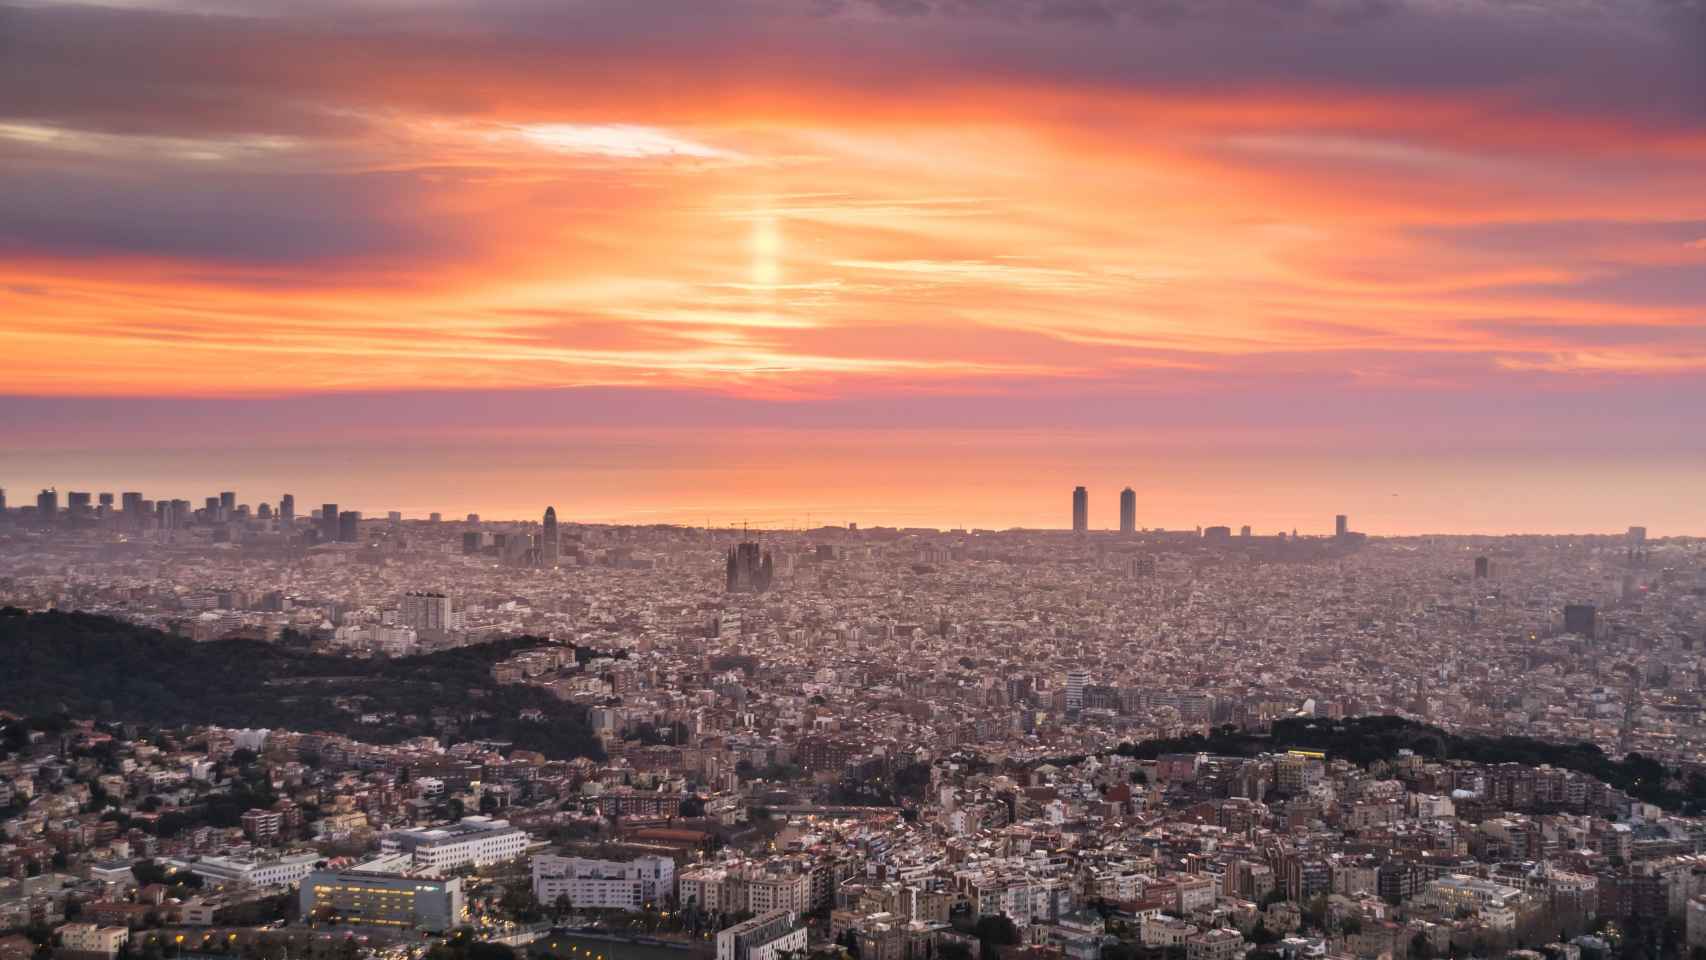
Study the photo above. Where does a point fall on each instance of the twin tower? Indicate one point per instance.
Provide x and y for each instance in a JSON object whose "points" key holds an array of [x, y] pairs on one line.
{"points": [[1081, 510]]}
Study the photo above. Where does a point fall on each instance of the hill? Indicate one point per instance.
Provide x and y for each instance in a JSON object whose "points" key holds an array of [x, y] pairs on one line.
{"points": [[1363, 740], [95, 666]]}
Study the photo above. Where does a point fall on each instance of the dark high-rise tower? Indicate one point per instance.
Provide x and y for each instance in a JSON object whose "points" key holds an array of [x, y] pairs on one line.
{"points": [[47, 506], [1341, 525], [328, 522], [1080, 509], [1128, 510], [286, 512], [1581, 619], [227, 504], [550, 547], [349, 526]]}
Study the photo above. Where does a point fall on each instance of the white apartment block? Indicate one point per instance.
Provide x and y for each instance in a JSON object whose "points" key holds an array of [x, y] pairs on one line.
{"points": [[88, 938], [606, 884]]}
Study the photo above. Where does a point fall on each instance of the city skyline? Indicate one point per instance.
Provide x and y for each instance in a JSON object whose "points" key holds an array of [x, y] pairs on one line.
{"points": [[337, 520]]}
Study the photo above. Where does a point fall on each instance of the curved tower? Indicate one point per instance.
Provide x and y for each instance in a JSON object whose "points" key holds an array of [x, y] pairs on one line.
{"points": [[550, 547]]}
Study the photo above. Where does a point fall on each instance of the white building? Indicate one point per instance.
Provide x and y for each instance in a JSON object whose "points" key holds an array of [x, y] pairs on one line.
{"points": [[474, 841], [607, 884], [245, 872], [1076, 681], [764, 937], [88, 938]]}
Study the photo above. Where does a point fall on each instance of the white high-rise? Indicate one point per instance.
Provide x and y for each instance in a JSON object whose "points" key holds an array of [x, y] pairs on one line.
{"points": [[1076, 681]]}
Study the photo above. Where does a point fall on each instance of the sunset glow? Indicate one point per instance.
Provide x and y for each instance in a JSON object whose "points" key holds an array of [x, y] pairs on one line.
{"points": [[1308, 229]]}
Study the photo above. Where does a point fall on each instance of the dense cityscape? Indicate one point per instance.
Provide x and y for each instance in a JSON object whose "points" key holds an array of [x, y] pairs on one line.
{"points": [[259, 731]]}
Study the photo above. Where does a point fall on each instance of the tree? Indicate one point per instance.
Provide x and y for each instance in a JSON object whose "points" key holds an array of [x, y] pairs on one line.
{"points": [[997, 929], [520, 903]]}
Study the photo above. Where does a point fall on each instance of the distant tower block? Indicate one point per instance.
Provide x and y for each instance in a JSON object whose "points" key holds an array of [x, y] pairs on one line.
{"points": [[1128, 511], [1483, 568], [1341, 525], [1080, 510], [551, 545]]}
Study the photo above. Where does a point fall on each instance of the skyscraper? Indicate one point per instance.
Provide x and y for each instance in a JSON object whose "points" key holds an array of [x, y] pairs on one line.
{"points": [[47, 506], [348, 525], [550, 547], [1483, 568], [328, 522], [1076, 681], [1341, 525], [1080, 509], [286, 512], [1128, 510], [1581, 619], [227, 504]]}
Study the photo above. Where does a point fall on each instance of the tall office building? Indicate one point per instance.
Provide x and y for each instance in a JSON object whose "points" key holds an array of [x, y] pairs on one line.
{"points": [[1128, 510], [77, 503], [1637, 536], [2, 500], [286, 512], [550, 546], [1076, 681], [349, 526], [227, 504], [328, 521], [130, 502], [1080, 509], [1483, 568], [47, 506], [1341, 525], [105, 501], [1581, 619]]}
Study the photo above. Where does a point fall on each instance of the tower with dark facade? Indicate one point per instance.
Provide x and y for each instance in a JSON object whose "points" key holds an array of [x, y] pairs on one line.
{"points": [[550, 545], [1080, 510], [1128, 510]]}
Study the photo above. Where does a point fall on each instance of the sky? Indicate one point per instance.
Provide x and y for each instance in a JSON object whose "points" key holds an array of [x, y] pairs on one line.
{"points": [[1439, 264]]}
